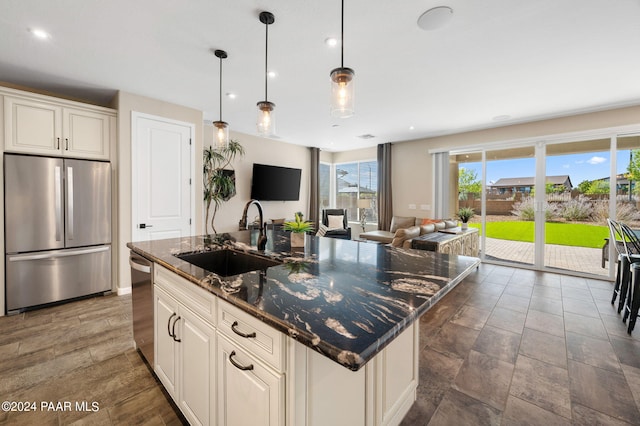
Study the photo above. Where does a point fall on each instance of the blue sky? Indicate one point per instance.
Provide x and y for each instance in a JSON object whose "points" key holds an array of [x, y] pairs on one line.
{"points": [[579, 167]]}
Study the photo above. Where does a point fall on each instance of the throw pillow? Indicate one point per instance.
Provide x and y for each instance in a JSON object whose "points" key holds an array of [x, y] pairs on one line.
{"points": [[403, 234], [335, 221], [321, 231], [428, 221], [450, 223], [398, 222], [439, 225]]}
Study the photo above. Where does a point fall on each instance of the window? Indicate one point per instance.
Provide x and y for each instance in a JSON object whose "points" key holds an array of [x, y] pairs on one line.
{"points": [[357, 181]]}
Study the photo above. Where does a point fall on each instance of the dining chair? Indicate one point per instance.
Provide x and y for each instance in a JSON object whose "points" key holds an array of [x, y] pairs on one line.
{"points": [[631, 245]]}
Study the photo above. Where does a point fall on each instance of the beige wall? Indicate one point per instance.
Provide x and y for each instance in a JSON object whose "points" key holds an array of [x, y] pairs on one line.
{"points": [[126, 103], [263, 151], [413, 167]]}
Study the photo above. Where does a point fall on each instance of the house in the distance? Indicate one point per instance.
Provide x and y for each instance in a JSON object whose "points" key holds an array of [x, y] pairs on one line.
{"points": [[524, 185]]}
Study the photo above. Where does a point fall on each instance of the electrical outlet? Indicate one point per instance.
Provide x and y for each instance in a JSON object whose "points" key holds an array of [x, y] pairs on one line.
{"points": [[412, 206], [425, 206]]}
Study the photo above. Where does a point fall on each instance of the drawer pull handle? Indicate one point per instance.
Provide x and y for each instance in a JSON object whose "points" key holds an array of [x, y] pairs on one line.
{"points": [[239, 366], [169, 325], [173, 330], [240, 333]]}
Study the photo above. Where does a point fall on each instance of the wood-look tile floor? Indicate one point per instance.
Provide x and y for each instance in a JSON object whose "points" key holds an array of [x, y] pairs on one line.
{"points": [[505, 347], [79, 352]]}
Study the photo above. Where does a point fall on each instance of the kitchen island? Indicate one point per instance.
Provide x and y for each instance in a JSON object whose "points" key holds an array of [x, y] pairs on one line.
{"points": [[334, 323]]}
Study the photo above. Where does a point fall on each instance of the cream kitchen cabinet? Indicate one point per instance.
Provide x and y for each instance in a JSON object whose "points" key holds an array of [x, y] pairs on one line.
{"points": [[44, 125], [185, 349], [249, 392], [251, 368]]}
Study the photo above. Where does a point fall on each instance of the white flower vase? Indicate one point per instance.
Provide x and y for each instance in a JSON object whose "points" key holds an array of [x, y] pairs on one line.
{"points": [[297, 239], [464, 226]]}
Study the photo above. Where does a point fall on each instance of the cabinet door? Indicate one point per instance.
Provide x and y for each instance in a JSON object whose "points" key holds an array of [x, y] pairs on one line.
{"points": [[197, 368], [32, 126], [250, 396], [166, 313], [86, 134]]}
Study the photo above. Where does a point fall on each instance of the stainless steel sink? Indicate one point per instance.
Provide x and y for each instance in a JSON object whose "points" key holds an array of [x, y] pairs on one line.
{"points": [[227, 262]]}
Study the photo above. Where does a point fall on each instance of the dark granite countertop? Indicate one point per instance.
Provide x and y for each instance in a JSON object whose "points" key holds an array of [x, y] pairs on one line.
{"points": [[344, 299]]}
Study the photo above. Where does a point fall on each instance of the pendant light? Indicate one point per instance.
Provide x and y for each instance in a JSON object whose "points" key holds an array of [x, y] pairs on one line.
{"points": [[221, 128], [266, 120], [342, 83]]}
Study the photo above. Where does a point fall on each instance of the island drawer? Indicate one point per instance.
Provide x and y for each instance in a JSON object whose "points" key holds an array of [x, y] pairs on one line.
{"points": [[252, 334], [195, 298]]}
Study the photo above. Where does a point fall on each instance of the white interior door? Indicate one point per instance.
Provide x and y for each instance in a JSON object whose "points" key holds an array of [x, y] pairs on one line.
{"points": [[162, 176]]}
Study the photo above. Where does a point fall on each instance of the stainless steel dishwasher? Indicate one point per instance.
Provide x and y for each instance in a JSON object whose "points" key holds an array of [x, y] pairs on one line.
{"points": [[142, 304]]}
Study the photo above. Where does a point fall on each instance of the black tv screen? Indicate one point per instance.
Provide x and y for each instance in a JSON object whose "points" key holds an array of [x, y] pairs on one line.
{"points": [[274, 183]]}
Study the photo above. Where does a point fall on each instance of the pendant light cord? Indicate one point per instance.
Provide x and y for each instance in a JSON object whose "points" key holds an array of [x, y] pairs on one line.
{"points": [[266, 56], [342, 37], [221, 89]]}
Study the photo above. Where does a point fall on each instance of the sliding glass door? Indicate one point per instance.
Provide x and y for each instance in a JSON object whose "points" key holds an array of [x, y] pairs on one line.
{"points": [[545, 205], [577, 194]]}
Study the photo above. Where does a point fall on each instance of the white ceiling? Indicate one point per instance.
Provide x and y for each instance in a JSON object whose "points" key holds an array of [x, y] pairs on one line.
{"points": [[524, 59]]}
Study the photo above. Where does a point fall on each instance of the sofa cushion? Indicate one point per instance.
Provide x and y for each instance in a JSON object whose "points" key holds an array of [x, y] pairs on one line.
{"points": [[380, 236], [450, 223], [439, 225], [427, 229], [404, 234], [398, 222]]}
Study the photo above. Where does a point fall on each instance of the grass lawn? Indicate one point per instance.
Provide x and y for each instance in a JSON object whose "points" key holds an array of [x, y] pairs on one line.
{"points": [[566, 234]]}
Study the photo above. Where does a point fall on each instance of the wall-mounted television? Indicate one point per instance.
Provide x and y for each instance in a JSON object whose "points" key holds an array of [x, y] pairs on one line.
{"points": [[275, 183]]}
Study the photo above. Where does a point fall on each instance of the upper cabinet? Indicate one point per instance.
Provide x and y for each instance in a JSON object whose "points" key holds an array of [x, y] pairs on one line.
{"points": [[40, 125]]}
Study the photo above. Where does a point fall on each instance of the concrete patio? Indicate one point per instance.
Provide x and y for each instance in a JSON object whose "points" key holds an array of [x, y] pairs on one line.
{"points": [[580, 259]]}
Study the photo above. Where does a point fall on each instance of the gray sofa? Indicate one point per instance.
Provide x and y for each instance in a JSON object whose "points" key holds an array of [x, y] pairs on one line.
{"points": [[405, 228]]}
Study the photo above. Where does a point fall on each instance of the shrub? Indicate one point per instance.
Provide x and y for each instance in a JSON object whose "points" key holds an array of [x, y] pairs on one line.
{"points": [[625, 211], [576, 209], [525, 210]]}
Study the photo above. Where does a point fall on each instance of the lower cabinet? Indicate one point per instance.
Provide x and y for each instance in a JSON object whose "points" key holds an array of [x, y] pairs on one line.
{"points": [[249, 393], [223, 366], [185, 358]]}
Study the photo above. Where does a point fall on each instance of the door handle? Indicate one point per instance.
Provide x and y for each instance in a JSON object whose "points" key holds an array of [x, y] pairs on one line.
{"points": [[169, 325], [237, 365], [144, 225], [173, 330], [70, 202]]}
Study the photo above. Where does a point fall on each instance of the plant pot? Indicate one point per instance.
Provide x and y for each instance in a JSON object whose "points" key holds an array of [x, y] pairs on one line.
{"points": [[297, 239], [464, 226]]}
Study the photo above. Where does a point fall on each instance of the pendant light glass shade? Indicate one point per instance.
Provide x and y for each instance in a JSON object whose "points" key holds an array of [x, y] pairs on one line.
{"points": [[266, 123], [220, 128], [266, 119], [220, 135], [342, 91]]}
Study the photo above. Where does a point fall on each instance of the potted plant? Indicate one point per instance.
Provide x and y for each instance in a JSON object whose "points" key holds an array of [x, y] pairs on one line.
{"points": [[298, 228], [464, 214], [219, 183]]}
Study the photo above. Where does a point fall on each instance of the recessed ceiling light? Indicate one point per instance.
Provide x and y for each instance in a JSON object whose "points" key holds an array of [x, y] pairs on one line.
{"points": [[501, 117], [331, 42], [435, 18], [272, 74], [366, 136], [38, 33], [230, 95], [411, 127], [335, 125]]}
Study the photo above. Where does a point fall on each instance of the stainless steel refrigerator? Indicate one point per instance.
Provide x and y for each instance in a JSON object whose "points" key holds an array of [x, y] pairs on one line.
{"points": [[57, 229]]}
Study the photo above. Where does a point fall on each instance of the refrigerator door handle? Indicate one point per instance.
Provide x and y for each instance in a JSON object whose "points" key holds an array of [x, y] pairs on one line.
{"points": [[50, 255], [58, 202], [70, 203]]}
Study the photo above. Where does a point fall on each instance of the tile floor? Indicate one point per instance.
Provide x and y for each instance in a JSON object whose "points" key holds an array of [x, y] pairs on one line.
{"points": [[505, 347], [517, 347]]}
